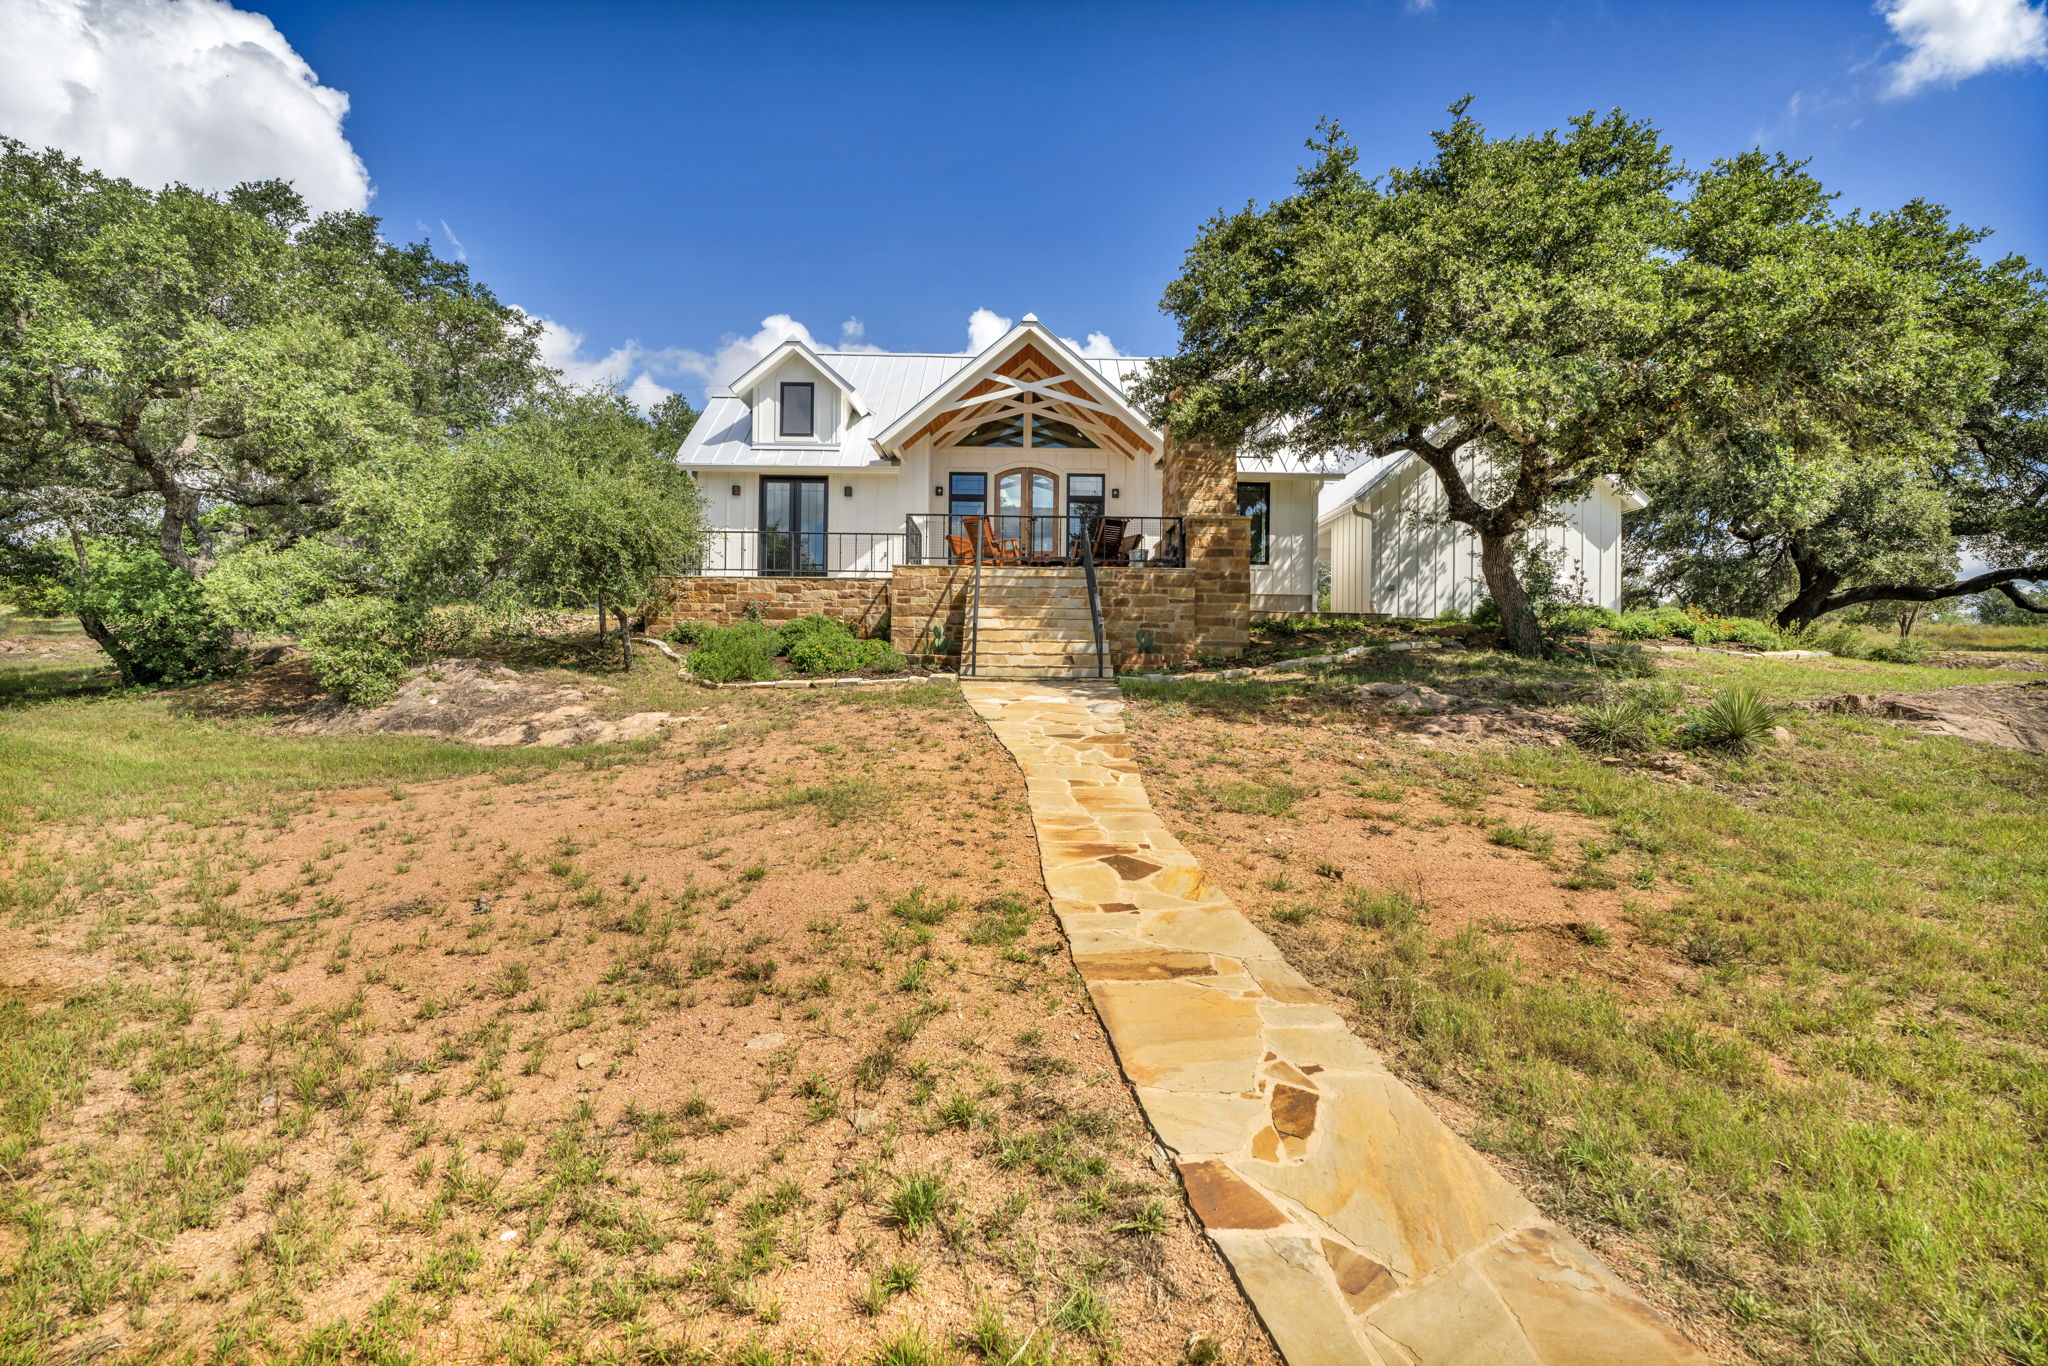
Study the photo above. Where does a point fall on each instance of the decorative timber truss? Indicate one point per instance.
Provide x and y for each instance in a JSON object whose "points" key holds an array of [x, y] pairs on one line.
{"points": [[1029, 377]]}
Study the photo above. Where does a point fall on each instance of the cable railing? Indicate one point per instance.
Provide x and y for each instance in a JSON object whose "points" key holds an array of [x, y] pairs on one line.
{"points": [[1040, 539]]}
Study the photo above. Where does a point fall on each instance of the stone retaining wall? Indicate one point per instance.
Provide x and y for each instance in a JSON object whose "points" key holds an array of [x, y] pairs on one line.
{"points": [[863, 604], [1151, 617]]}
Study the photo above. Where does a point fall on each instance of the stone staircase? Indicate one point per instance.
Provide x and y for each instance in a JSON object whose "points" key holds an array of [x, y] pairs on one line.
{"points": [[1034, 623]]}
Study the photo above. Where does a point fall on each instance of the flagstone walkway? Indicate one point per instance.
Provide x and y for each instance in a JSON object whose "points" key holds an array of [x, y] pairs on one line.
{"points": [[1362, 1229]]}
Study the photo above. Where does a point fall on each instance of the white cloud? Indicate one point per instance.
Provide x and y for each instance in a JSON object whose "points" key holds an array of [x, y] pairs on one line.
{"points": [[646, 375], [644, 392], [175, 90], [1949, 40], [985, 327]]}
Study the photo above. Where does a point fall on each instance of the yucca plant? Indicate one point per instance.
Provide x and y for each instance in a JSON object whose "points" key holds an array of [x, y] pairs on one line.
{"points": [[1735, 719]]}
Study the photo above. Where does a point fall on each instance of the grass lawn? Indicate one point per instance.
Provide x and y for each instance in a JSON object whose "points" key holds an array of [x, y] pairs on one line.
{"points": [[1815, 1095]]}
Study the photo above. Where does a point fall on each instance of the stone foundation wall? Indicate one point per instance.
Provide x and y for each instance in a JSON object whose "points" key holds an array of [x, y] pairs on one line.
{"points": [[1150, 617], [928, 610], [862, 604]]}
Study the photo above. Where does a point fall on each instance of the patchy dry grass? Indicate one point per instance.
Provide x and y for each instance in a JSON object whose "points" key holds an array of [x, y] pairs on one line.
{"points": [[1771, 1032]]}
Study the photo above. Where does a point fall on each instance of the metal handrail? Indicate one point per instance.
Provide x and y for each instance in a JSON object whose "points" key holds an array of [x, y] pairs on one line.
{"points": [[973, 669], [1087, 540]]}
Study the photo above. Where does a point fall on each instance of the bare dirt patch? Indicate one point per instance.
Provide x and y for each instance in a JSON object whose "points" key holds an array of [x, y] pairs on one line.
{"points": [[2007, 715], [1305, 821], [764, 1037], [474, 700]]}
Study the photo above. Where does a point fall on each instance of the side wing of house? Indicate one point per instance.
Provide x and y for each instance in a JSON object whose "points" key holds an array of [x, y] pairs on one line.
{"points": [[1392, 550]]}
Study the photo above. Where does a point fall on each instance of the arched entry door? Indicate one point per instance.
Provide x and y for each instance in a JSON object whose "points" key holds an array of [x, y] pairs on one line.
{"points": [[1027, 505]]}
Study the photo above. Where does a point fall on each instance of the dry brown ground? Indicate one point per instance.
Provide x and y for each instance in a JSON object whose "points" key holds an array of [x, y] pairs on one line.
{"points": [[623, 1061]]}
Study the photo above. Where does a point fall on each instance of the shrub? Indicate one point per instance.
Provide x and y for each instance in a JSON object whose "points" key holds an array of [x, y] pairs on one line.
{"points": [[690, 632], [359, 648], [1735, 719], [1836, 637], [1652, 623], [1699, 627], [817, 644], [1635, 720], [1748, 631], [1900, 652], [744, 652], [163, 630], [1568, 620]]}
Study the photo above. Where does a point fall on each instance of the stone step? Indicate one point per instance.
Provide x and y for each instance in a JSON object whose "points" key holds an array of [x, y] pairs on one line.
{"points": [[992, 672], [1045, 628]]}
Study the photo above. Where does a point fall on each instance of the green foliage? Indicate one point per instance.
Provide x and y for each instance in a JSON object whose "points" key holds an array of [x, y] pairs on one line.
{"points": [[226, 352], [817, 644], [1528, 314], [1636, 719], [150, 617], [1736, 718], [1699, 627], [360, 648], [742, 652], [1579, 620]]}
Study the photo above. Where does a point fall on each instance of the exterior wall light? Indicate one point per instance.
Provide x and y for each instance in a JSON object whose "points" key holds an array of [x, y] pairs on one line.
{"points": [[939, 491], [735, 490], [1116, 493], [847, 491]]}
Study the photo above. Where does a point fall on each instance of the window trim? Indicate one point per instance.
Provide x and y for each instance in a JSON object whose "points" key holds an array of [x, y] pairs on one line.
{"points": [[1262, 523], [782, 427]]}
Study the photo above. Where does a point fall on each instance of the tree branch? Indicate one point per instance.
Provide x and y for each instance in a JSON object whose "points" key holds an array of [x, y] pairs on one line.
{"points": [[1999, 579], [2021, 600]]}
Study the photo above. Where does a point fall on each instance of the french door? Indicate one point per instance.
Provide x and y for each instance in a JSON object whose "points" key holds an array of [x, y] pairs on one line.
{"points": [[1026, 501], [792, 525]]}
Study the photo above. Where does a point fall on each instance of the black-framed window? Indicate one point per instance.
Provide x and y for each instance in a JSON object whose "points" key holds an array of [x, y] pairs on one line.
{"points": [[793, 523], [797, 416], [1256, 502], [968, 497]]}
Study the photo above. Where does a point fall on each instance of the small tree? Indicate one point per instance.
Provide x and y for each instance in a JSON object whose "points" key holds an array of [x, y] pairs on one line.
{"points": [[1529, 314]]}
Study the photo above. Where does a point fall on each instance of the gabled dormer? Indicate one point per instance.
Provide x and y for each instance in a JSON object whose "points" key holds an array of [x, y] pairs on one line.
{"points": [[796, 399]]}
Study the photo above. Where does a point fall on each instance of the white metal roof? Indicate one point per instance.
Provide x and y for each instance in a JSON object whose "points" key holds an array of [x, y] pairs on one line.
{"points": [[889, 384]]}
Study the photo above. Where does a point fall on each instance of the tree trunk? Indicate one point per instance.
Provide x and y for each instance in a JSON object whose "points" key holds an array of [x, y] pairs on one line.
{"points": [[1517, 613], [603, 623], [1816, 584], [90, 620], [625, 640]]}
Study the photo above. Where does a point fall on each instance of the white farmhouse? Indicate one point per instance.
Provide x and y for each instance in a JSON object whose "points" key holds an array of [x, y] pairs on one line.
{"points": [[849, 462], [1391, 550], [1013, 512]]}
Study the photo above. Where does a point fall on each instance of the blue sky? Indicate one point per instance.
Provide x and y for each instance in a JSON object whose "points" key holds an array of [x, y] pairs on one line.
{"points": [[658, 179]]}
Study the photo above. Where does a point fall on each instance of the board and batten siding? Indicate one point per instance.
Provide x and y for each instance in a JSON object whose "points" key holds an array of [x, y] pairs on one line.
{"points": [[1421, 565], [1350, 553], [1287, 583]]}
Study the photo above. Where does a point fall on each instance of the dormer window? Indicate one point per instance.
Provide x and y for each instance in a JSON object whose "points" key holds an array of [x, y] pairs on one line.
{"points": [[797, 410]]}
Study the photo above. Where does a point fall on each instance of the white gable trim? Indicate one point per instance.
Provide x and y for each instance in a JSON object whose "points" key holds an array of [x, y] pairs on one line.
{"points": [[1108, 400], [764, 367]]}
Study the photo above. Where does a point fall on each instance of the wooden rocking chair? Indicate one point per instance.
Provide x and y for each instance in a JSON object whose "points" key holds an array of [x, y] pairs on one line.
{"points": [[994, 549]]}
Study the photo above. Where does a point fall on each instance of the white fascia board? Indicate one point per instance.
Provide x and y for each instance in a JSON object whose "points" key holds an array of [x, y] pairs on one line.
{"points": [[766, 365], [1077, 367]]}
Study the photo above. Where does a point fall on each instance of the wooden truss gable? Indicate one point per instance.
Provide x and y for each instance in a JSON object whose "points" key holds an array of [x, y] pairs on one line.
{"points": [[1029, 383]]}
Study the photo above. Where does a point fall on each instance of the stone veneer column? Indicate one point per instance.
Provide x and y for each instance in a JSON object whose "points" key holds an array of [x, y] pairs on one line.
{"points": [[1197, 479]]}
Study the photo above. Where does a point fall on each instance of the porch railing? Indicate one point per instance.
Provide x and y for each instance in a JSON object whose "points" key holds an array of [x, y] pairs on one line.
{"points": [[730, 552], [1036, 539]]}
